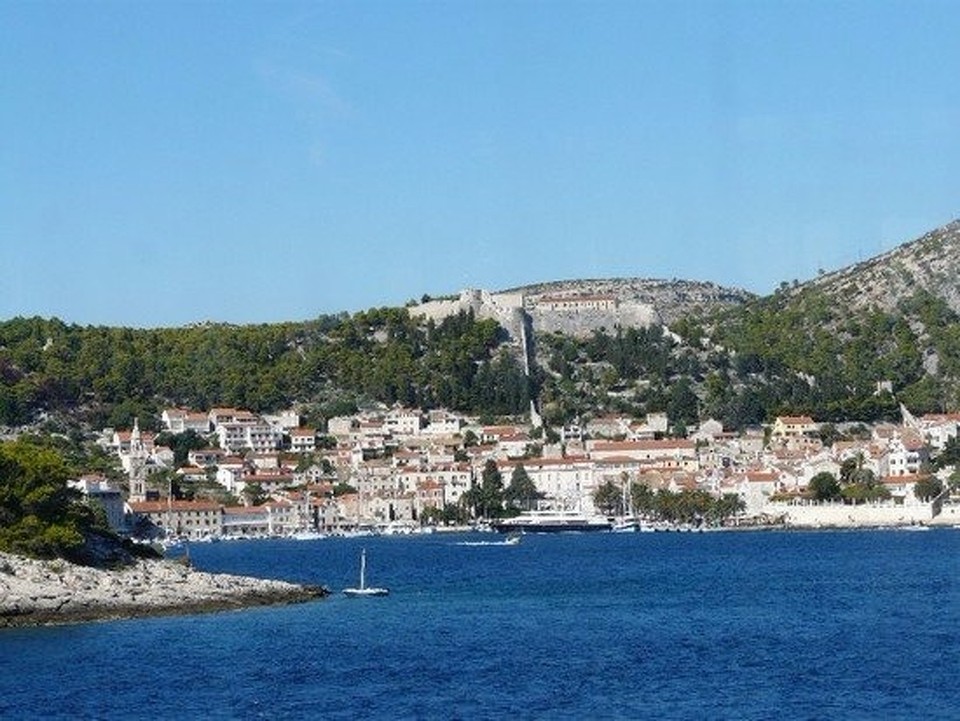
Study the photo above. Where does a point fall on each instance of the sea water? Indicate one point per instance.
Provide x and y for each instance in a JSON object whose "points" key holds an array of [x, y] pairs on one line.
{"points": [[729, 625]]}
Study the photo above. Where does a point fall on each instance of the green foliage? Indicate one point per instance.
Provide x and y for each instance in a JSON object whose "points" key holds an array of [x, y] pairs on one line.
{"points": [[605, 373], [381, 354], [181, 444], [486, 499], [521, 493], [694, 507], [802, 353], [950, 455], [796, 351], [253, 494], [926, 489], [863, 487], [608, 497], [39, 515], [824, 487], [449, 515]]}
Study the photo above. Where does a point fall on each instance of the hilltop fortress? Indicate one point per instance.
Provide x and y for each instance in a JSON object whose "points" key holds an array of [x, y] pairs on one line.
{"points": [[578, 308], [505, 308]]}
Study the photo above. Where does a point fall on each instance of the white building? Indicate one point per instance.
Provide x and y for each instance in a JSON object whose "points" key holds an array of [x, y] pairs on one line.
{"points": [[403, 422], [178, 420], [255, 436], [303, 440], [566, 483], [98, 490], [441, 423]]}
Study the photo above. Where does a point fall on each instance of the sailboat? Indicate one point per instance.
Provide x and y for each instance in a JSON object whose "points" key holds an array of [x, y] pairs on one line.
{"points": [[363, 589], [628, 522]]}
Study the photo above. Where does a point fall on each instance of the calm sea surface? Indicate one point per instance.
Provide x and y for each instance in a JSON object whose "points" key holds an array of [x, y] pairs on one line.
{"points": [[736, 625]]}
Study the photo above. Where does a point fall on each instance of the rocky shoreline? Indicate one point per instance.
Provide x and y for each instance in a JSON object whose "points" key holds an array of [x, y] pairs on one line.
{"points": [[39, 593]]}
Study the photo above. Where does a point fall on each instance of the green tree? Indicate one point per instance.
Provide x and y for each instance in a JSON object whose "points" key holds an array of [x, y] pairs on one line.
{"points": [[824, 487], [608, 497], [864, 488], [643, 499], [39, 514], [683, 404], [487, 498], [521, 492], [926, 489], [727, 506], [181, 444], [849, 467], [253, 494], [950, 455]]}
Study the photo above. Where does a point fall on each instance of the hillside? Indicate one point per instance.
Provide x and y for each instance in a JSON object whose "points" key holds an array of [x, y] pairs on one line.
{"points": [[849, 345], [858, 341], [930, 263]]}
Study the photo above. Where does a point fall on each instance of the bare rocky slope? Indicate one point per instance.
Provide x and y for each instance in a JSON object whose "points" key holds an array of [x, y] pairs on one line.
{"points": [[930, 263]]}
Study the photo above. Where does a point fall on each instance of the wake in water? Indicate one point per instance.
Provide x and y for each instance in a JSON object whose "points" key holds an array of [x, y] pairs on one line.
{"points": [[511, 540]]}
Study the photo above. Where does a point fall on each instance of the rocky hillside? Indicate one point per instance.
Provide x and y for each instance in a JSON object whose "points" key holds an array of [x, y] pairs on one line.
{"points": [[930, 263], [854, 344], [873, 335]]}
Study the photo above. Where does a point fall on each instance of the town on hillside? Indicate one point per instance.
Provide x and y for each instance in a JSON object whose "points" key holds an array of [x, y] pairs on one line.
{"points": [[398, 470]]}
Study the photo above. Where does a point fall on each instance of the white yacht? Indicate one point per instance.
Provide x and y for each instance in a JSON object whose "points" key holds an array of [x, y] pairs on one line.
{"points": [[552, 522]]}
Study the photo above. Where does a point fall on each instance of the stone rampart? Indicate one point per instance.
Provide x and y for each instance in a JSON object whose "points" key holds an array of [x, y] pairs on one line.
{"points": [[583, 322], [839, 515], [505, 308]]}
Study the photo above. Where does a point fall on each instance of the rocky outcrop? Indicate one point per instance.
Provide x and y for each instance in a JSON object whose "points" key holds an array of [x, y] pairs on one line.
{"points": [[34, 593]]}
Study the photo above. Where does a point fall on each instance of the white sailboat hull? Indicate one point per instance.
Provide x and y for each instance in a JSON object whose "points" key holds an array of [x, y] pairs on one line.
{"points": [[372, 591], [363, 589]]}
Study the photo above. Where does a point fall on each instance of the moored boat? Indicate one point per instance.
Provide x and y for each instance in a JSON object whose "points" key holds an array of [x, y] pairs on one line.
{"points": [[363, 589], [552, 522]]}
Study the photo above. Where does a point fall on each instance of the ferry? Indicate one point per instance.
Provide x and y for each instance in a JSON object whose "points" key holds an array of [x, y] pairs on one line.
{"points": [[551, 522]]}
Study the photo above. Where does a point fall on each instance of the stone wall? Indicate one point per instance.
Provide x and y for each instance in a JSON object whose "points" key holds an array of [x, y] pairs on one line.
{"points": [[838, 515], [505, 308], [583, 322]]}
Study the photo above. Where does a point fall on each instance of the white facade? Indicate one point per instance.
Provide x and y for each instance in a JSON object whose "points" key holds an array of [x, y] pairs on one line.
{"points": [[98, 490], [303, 440], [257, 437], [565, 483], [403, 422]]}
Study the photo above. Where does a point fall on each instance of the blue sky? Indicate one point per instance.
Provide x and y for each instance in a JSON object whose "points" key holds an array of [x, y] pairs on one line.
{"points": [[163, 163]]}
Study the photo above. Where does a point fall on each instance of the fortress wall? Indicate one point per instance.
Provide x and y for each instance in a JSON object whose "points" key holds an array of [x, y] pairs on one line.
{"points": [[508, 310], [843, 516], [501, 307], [584, 322], [436, 310]]}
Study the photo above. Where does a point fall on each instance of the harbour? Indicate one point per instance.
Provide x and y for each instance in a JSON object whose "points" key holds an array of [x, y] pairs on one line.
{"points": [[735, 625]]}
